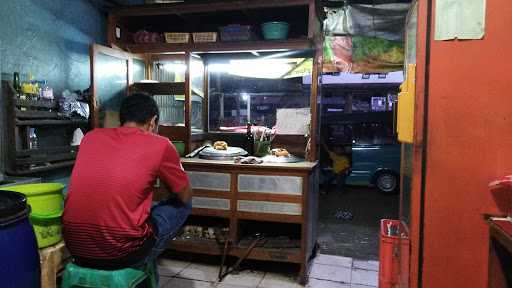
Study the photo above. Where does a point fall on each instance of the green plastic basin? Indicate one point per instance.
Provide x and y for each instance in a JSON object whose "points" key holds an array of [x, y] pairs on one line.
{"points": [[46, 201]]}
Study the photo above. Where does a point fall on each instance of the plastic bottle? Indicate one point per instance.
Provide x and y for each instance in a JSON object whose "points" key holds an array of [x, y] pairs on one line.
{"points": [[46, 92], [16, 82], [32, 139]]}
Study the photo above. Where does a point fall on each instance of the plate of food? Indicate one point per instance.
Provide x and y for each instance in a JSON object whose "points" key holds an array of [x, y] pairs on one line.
{"points": [[220, 150], [281, 155]]}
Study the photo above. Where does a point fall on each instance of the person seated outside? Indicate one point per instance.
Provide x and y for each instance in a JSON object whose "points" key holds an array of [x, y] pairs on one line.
{"points": [[340, 166], [109, 222]]}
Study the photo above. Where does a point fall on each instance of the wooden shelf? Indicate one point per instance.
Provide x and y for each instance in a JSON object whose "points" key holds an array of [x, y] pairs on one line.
{"points": [[36, 114], [206, 6], [36, 103], [51, 122], [211, 247], [48, 167], [261, 45], [45, 158], [161, 88], [50, 150]]}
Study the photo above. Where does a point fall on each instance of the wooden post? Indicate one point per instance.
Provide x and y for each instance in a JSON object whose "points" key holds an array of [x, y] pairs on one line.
{"points": [[188, 102]]}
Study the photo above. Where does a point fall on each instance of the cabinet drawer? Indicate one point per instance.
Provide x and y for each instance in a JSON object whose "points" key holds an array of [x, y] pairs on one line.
{"points": [[286, 185], [211, 203], [210, 180], [269, 207]]}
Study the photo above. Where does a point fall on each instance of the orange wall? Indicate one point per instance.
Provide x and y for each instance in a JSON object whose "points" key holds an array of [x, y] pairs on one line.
{"points": [[469, 144]]}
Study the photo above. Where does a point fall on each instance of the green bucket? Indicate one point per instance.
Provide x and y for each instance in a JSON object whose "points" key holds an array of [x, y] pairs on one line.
{"points": [[46, 201], [180, 147]]}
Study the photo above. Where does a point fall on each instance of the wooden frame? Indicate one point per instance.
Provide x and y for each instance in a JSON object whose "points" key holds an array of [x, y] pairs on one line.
{"points": [[307, 171], [96, 49]]}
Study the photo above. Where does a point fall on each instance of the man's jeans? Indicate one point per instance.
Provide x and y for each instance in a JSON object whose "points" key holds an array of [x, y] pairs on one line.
{"points": [[167, 217]]}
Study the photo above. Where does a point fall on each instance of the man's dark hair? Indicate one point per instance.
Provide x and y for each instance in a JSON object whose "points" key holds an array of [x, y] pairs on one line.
{"points": [[138, 108]]}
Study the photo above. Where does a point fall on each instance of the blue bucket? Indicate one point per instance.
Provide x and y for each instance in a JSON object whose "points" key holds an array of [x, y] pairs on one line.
{"points": [[19, 264], [275, 30]]}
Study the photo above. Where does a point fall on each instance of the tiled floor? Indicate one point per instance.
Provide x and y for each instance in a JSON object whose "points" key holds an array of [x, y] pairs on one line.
{"points": [[327, 272]]}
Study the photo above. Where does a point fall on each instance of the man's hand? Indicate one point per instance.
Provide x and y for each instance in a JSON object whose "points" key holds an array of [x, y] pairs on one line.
{"points": [[185, 194]]}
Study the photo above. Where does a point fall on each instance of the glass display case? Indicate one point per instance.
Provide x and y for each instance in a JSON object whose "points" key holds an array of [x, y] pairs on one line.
{"points": [[172, 106], [251, 89]]}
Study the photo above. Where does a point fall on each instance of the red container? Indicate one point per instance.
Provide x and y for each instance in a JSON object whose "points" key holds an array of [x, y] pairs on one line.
{"points": [[394, 254]]}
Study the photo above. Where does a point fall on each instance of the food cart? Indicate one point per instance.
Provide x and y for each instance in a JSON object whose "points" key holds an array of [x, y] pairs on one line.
{"points": [[210, 78]]}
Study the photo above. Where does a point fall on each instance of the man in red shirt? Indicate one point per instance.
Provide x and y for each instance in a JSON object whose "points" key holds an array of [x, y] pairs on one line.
{"points": [[109, 222]]}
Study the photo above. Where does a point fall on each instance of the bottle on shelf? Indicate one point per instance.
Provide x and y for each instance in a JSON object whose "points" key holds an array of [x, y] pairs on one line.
{"points": [[16, 83], [249, 139], [45, 92], [30, 88], [32, 139]]}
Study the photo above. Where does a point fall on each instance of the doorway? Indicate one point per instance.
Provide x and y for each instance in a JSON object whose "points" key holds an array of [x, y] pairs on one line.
{"points": [[358, 124], [358, 113]]}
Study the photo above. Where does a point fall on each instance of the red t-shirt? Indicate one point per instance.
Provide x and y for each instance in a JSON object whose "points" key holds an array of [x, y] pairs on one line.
{"points": [[111, 188]]}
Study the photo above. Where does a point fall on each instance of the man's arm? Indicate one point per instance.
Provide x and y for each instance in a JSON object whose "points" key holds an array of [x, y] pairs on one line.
{"points": [[171, 173], [185, 194]]}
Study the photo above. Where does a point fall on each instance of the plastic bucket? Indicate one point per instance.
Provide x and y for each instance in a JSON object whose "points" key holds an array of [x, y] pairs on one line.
{"points": [[275, 30], [46, 201], [391, 250], [180, 147], [19, 263]]}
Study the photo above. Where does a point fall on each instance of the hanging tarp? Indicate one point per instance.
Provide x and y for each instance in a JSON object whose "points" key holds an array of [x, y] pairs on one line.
{"points": [[376, 55], [355, 54], [385, 21]]}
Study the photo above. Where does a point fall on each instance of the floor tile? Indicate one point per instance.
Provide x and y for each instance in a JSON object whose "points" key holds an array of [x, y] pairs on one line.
{"points": [[316, 283], [361, 286], [365, 277], [333, 260], [162, 281], [168, 267], [272, 280], [366, 265], [246, 278], [200, 272], [331, 273], [224, 285], [187, 283]]}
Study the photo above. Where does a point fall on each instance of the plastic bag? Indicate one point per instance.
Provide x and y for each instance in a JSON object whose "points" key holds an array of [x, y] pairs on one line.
{"points": [[376, 20], [338, 21], [71, 107], [337, 54]]}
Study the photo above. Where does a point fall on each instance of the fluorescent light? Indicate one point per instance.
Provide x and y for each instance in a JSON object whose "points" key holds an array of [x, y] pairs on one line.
{"points": [[260, 68], [175, 67]]}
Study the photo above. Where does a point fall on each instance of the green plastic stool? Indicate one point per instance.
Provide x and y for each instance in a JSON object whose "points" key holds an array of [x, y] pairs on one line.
{"points": [[76, 276]]}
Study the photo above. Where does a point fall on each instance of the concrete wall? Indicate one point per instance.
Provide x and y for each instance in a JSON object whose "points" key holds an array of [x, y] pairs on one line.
{"points": [[469, 144], [50, 39]]}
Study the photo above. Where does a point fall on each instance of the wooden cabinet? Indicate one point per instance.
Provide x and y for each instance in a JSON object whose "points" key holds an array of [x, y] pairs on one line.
{"points": [[268, 199]]}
